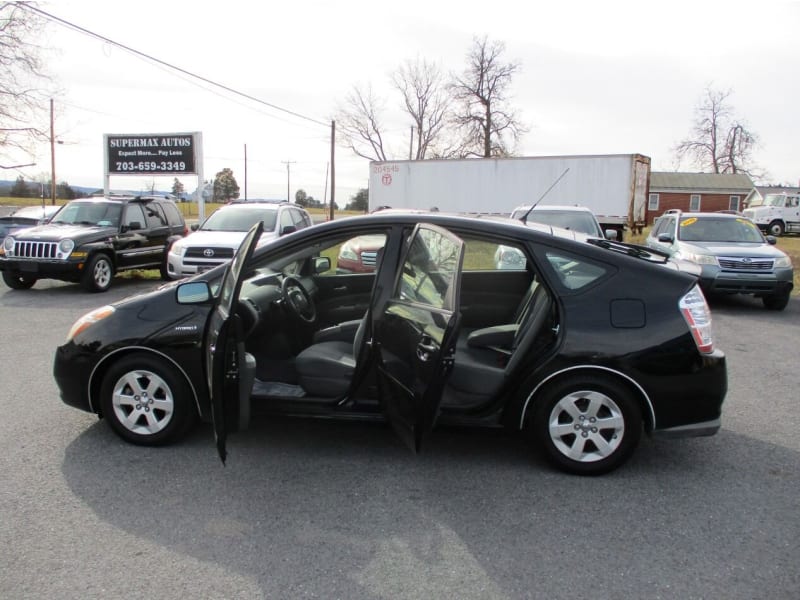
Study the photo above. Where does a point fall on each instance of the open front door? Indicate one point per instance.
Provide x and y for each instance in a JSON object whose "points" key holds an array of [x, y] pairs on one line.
{"points": [[416, 335], [228, 368]]}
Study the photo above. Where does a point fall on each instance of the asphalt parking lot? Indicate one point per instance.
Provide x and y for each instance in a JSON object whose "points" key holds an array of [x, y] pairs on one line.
{"points": [[343, 510]]}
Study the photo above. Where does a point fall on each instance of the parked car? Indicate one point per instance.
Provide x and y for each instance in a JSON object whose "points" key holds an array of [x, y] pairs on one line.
{"points": [[577, 219], [590, 345], [26, 216], [734, 256], [89, 240], [215, 241]]}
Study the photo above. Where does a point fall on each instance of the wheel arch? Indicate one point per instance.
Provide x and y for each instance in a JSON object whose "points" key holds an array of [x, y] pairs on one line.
{"points": [[648, 413], [101, 368]]}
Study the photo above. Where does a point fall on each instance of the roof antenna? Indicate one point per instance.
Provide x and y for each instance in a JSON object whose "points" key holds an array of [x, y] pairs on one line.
{"points": [[524, 218]]}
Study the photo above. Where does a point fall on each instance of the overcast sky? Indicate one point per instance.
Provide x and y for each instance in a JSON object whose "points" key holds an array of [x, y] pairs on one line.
{"points": [[596, 78]]}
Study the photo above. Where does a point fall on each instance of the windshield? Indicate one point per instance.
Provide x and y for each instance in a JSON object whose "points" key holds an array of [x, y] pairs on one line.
{"points": [[711, 229], [583, 222], [240, 220], [774, 200], [102, 214]]}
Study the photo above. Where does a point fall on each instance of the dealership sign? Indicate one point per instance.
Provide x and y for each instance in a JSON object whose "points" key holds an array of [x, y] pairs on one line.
{"points": [[152, 154]]}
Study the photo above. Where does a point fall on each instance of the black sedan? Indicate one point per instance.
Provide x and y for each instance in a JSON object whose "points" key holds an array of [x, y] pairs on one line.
{"points": [[583, 347]]}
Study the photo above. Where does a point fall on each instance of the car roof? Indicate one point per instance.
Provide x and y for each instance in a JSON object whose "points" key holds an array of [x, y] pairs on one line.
{"points": [[555, 207]]}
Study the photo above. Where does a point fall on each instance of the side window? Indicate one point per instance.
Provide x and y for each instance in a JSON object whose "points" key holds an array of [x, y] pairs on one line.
{"points": [[286, 220], [652, 202], [173, 214], [355, 255], [572, 271], [694, 202], [298, 218], [430, 270], [134, 214], [485, 255], [733, 203], [155, 216]]}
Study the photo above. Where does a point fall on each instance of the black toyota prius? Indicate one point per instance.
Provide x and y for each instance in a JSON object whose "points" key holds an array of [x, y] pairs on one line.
{"points": [[583, 346]]}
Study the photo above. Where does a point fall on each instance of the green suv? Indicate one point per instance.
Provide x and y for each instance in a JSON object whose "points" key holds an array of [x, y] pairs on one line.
{"points": [[732, 253]]}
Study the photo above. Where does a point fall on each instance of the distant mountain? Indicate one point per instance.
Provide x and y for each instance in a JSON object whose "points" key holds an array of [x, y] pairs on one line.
{"points": [[6, 185]]}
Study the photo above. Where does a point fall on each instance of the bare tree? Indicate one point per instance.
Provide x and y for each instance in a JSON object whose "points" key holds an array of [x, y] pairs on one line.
{"points": [[425, 99], [488, 124], [23, 102], [359, 122], [719, 142]]}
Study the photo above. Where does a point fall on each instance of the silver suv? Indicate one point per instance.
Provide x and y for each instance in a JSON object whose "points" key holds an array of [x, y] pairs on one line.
{"points": [[734, 256], [215, 241]]}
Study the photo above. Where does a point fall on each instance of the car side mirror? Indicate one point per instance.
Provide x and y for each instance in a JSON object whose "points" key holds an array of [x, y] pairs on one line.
{"points": [[193, 292], [322, 264], [134, 226], [771, 239], [288, 229], [611, 234], [195, 226], [665, 237]]}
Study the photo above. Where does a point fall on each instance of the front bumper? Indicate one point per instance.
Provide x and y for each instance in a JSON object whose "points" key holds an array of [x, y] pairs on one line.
{"points": [[71, 369], [44, 269], [724, 282]]}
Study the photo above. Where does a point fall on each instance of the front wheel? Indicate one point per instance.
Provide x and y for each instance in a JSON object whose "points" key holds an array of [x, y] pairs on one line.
{"points": [[18, 282], [587, 425], [98, 274], [776, 228], [776, 301], [146, 401]]}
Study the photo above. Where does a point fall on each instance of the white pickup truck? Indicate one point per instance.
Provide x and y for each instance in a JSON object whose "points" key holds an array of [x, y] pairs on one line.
{"points": [[776, 214]]}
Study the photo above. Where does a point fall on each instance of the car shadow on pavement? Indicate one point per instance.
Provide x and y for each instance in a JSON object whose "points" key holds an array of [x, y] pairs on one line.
{"points": [[332, 509]]}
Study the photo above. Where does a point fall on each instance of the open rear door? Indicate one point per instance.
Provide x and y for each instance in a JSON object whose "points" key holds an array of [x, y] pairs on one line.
{"points": [[415, 336], [228, 368]]}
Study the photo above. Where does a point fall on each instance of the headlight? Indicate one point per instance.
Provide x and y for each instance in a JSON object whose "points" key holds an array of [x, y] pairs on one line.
{"points": [[66, 246], [783, 262], [8, 244], [176, 248], [90, 319], [700, 259], [347, 253]]}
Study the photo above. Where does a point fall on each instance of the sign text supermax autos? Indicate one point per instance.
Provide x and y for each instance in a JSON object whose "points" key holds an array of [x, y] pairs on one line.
{"points": [[150, 154]]}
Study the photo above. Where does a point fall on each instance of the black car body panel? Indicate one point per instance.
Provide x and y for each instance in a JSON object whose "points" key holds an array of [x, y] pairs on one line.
{"points": [[606, 316]]}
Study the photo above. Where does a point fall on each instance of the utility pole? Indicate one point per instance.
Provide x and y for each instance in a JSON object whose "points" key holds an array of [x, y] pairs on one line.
{"points": [[288, 164], [245, 172], [52, 159], [333, 168]]}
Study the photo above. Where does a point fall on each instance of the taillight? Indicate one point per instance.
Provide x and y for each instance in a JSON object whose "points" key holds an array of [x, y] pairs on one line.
{"points": [[694, 309]]}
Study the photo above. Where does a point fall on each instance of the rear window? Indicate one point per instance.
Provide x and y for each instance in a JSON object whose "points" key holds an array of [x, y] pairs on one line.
{"points": [[574, 272], [173, 214]]}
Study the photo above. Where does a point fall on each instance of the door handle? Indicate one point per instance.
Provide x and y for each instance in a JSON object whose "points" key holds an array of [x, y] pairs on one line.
{"points": [[425, 348]]}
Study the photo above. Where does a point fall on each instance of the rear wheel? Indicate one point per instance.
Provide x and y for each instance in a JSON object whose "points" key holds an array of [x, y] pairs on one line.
{"points": [[776, 228], [587, 425], [18, 282], [98, 274], [146, 401]]}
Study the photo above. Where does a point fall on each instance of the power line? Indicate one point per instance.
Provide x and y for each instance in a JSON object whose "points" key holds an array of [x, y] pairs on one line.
{"points": [[80, 29]]}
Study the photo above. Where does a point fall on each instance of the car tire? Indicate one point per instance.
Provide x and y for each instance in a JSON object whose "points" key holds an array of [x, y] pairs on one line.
{"points": [[18, 282], [776, 301], [164, 269], [775, 228], [99, 274], [146, 402], [587, 424]]}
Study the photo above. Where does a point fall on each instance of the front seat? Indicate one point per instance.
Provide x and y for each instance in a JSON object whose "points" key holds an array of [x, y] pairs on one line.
{"points": [[326, 369]]}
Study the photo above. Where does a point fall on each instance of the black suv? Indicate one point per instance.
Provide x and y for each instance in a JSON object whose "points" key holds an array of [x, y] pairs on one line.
{"points": [[89, 240]]}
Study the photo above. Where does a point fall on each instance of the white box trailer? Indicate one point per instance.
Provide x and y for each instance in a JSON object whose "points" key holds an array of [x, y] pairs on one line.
{"points": [[613, 186]]}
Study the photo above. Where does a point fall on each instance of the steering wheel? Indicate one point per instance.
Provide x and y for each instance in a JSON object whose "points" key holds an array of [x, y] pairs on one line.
{"points": [[297, 298]]}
